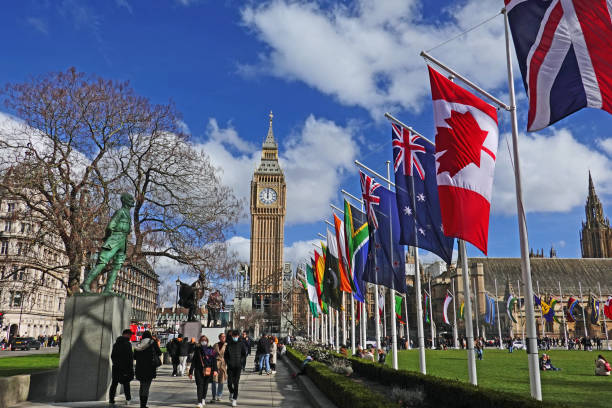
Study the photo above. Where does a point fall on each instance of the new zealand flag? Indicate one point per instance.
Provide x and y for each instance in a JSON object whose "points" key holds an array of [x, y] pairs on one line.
{"points": [[416, 192], [385, 265]]}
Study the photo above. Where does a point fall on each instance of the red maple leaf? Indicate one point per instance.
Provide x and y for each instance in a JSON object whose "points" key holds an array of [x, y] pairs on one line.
{"points": [[461, 143]]}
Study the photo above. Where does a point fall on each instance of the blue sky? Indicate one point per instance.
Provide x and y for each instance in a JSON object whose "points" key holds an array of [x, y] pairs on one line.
{"points": [[328, 70]]}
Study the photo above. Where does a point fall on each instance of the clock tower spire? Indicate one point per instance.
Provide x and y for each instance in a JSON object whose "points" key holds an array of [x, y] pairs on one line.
{"points": [[268, 198]]}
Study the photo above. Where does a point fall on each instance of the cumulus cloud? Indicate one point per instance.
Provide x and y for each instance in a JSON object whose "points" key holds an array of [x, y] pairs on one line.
{"points": [[297, 252], [606, 145], [554, 171], [314, 159], [367, 53]]}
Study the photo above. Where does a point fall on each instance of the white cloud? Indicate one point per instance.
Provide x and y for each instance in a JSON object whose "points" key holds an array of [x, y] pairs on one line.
{"points": [[297, 252], [242, 247], [554, 172], [314, 159], [38, 24], [367, 54], [606, 145]]}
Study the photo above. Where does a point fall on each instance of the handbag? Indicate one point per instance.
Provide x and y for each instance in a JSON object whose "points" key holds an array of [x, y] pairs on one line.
{"points": [[206, 371], [156, 360]]}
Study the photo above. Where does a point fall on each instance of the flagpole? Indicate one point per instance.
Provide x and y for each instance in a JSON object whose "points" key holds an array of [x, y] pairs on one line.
{"points": [[563, 313], [353, 324], [541, 311], [363, 322], [521, 316], [469, 328], [604, 317], [455, 331], [377, 317], [344, 319], [337, 333], [586, 333], [532, 350], [384, 312], [392, 293], [431, 321], [418, 299], [408, 346], [501, 347], [476, 308]]}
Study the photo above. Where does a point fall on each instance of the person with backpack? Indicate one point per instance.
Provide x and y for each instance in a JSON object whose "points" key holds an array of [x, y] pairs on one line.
{"points": [[146, 354], [235, 353], [602, 367], [204, 366], [123, 367]]}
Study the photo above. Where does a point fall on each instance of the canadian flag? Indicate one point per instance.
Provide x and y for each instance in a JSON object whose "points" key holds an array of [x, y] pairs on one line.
{"points": [[466, 145], [608, 308]]}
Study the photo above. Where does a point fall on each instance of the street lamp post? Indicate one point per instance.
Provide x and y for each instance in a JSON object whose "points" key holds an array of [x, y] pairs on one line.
{"points": [[178, 285]]}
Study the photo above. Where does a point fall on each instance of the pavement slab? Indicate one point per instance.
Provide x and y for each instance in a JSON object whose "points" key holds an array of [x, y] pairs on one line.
{"points": [[275, 390]]}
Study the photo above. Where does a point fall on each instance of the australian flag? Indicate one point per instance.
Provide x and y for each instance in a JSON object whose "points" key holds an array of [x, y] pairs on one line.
{"points": [[416, 192], [565, 55], [385, 265]]}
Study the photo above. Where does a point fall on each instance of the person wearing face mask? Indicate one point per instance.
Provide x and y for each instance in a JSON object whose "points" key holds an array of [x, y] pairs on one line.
{"points": [[217, 384], [235, 352], [204, 367]]}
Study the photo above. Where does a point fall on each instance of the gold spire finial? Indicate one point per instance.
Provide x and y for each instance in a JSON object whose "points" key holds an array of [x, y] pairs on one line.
{"points": [[271, 117]]}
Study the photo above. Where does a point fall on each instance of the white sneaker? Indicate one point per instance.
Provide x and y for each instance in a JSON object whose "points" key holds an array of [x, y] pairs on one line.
{"points": [[200, 405], [203, 403], [234, 403]]}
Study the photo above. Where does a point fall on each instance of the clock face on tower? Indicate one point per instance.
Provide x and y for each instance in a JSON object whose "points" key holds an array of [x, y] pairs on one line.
{"points": [[267, 195]]}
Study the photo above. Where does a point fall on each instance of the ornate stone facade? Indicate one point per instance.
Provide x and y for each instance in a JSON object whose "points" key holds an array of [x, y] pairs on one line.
{"points": [[596, 234]]}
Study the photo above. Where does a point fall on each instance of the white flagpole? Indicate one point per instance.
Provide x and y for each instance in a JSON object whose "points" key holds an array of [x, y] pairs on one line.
{"points": [[407, 324], [532, 351], [384, 312], [344, 339], [469, 329], [501, 342], [586, 333], [418, 299], [541, 311], [363, 322], [394, 317], [353, 324], [431, 321], [455, 331], [337, 333], [601, 303], [476, 308], [377, 317], [563, 313], [522, 324]]}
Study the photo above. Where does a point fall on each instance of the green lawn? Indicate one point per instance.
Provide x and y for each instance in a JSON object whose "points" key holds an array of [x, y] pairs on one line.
{"points": [[576, 384], [28, 364]]}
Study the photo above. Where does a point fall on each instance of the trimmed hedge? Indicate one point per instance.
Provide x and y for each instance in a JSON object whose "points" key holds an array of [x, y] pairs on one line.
{"points": [[442, 392], [341, 390]]}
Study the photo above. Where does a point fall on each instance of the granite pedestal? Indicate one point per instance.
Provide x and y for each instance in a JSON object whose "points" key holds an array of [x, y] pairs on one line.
{"points": [[91, 325], [191, 330]]}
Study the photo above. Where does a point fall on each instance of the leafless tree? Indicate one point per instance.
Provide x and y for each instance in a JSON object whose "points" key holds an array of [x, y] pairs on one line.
{"points": [[83, 140]]}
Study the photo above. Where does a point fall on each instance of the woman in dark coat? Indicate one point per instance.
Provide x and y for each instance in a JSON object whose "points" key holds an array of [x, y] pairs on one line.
{"points": [[146, 354], [123, 366], [204, 366]]}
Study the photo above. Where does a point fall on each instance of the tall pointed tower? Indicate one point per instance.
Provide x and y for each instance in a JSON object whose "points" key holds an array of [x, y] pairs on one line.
{"points": [[596, 235], [268, 197]]}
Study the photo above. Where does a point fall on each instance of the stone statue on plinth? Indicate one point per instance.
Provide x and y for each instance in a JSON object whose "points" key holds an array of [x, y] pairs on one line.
{"points": [[189, 297], [114, 247]]}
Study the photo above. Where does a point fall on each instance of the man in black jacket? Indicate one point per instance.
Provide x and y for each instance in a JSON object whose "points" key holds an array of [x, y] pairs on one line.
{"points": [[123, 366], [235, 352], [174, 351]]}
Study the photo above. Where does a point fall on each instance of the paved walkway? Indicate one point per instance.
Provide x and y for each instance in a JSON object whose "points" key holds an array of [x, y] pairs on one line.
{"points": [[278, 390]]}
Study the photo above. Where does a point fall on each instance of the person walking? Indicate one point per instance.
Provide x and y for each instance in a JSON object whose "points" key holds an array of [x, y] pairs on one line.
{"points": [[247, 344], [204, 366], [184, 349], [217, 385], [273, 352], [235, 354], [174, 352], [264, 347], [146, 354], [123, 367]]}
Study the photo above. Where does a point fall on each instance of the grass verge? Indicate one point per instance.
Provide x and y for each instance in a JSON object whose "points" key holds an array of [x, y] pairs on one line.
{"points": [[28, 364]]}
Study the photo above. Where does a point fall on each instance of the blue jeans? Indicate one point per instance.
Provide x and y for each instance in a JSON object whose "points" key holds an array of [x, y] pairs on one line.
{"points": [[479, 353], [264, 358], [217, 389]]}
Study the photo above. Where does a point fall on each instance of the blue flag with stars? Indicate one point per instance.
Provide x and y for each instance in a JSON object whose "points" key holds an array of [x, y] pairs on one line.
{"points": [[416, 191], [385, 264]]}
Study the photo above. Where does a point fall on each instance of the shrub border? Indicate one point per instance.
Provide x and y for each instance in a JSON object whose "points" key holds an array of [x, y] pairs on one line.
{"points": [[341, 390], [442, 391]]}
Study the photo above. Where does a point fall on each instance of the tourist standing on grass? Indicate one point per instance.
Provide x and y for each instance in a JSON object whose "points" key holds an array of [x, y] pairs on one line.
{"points": [[478, 348], [235, 354], [217, 385], [123, 367], [204, 367], [264, 347], [146, 354]]}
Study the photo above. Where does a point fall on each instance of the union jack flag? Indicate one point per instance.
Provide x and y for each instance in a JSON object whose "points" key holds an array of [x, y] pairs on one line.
{"points": [[565, 56], [368, 186], [407, 148]]}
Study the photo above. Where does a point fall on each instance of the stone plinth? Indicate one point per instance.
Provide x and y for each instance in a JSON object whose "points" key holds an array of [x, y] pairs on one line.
{"points": [[191, 330], [91, 325]]}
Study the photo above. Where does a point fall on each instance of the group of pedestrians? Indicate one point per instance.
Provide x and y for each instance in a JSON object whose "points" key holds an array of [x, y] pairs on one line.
{"points": [[268, 348], [210, 364]]}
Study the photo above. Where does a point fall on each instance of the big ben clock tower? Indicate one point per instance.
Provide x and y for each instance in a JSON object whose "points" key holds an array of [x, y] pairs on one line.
{"points": [[268, 197]]}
